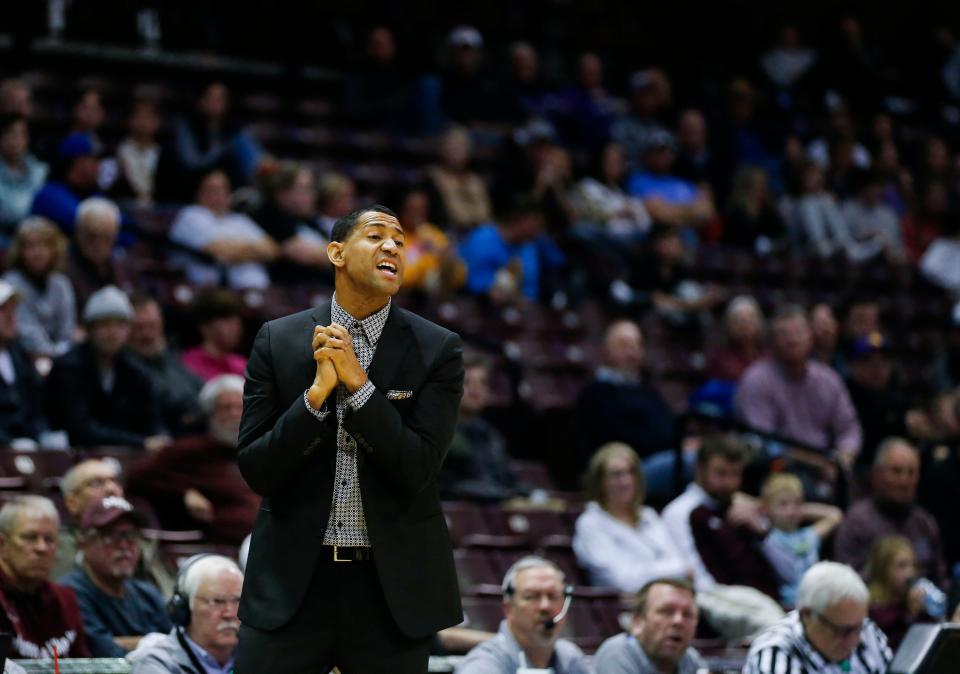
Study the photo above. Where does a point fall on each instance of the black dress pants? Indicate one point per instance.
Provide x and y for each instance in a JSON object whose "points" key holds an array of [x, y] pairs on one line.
{"points": [[344, 622]]}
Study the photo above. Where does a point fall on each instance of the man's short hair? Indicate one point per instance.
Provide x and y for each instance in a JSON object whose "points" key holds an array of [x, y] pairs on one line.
{"points": [[643, 594], [887, 445], [345, 225], [204, 568], [826, 583], [788, 311], [723, 445], [509, 584], [71, 479], [473, 361], [97, 207], [215, 303], [213, 388], [28, 503]]}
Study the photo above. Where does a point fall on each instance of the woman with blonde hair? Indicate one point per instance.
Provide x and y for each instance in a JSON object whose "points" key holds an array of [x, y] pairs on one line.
{"points": [[619, 541], [896, 600], [46, 314]]}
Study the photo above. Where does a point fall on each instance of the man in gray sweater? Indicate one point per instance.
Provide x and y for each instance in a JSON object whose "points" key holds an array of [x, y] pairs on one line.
{"points": [[664, 622]]}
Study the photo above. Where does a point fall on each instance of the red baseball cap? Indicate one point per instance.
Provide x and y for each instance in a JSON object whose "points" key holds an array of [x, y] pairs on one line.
{"points": [[107, 510]]}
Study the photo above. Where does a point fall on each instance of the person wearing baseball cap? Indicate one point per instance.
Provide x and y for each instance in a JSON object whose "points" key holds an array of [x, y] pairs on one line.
{"points": [[117, 609], [73, 177], [21, 403], [96, 392]]}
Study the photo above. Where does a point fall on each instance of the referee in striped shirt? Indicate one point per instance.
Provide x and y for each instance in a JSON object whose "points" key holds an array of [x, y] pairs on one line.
{"points": [[829, 633]]}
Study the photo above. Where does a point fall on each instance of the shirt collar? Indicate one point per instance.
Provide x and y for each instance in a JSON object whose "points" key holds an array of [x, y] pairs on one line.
{"points": [[208, 661], [372, 325]]}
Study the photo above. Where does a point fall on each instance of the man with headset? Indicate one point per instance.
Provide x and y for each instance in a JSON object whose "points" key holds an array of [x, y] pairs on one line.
{"points": [[535, 603], [204, 612]]}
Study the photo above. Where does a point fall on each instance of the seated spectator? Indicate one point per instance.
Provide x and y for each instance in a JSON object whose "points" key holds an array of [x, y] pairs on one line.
{"points": [[859, 318], [21, 174], [824, 331], [524, 94], [176, 386], [695, 160], [47, 311], [940, 263], [21, 390], [828, 631], [533, 594], [620, 404], [879, 398], [477, 466], [217, 315], [467, 94], [813, 218], [432, 265], [655, 179], [42, 617], [602, 204], [83, 484], [193, 483], [205, 141], [787, 61], [96, 392], [650, 94], [892, 510], [336, 197], [87, 116], [728, 535], [512, 259], [874, 227], [896, 600], [790, 548], [752, 220], [93, 262], [380, 76], [586, 108], [288, 216], [619, 542], [238, 247], [662, 628], [117, 609], [924, 224], [139, 153], [947, 364], [459, 197], [16, 97], [210, 589], [840, 131], [73, 178], [744, 340], [794, 396]]}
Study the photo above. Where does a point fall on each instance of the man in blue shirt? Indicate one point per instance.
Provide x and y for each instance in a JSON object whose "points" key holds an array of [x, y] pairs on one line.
{"points": [[117, 609]]}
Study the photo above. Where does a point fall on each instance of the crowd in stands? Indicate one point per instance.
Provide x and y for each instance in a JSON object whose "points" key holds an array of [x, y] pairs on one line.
{"points": [[730, 316]]}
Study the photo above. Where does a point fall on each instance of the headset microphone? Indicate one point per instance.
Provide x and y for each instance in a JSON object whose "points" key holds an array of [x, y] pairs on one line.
{"points": [[551, 623]]}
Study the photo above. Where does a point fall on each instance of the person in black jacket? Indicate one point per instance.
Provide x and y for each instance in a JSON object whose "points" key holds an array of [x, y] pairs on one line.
{"points": [[96, 392], [21, 401]]}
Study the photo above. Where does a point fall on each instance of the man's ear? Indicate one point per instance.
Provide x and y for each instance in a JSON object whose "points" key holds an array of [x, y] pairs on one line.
{"points": [[335, 253], [636, 625]]}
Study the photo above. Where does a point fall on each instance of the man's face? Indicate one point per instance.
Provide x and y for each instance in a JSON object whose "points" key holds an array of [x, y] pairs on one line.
{"points": [[214, 102], [146, 332], [624, 347], [225, 417], [8, 320], [381, 46], [214, 193], [896, 478], [224, 332], [537, 597], [824, 327], [109, 336], [668, 624], [862, 319], [476, 390], [88, 113], [720, 478], [30, 548], [14, 141], [792, 341], [114, 551], [95, 238], [95, 480], [372, 257], [872, 371], [835, 633], [84, 172], [213, 616]]}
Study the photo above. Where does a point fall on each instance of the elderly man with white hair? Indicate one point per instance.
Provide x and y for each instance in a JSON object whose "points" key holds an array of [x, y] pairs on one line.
{"points": [[92, 263], [194, 483], [204, 637], [828, 633]]}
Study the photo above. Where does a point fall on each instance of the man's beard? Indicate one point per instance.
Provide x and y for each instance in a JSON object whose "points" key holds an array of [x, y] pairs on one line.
{"points": [[228, 433]]}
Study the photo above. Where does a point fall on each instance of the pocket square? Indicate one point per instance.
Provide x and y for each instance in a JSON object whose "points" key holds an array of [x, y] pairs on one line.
{"points": [[399, 395]]}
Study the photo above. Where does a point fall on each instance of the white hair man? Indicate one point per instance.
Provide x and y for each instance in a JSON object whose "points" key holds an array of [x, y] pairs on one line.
{"points": [[529, 637], [829, 632], [206, 638]]}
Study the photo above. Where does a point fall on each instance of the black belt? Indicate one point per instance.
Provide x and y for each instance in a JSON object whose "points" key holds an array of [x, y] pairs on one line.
{"points": [[346, 553]]}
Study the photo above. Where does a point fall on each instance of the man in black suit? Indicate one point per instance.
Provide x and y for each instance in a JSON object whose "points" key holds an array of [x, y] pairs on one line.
{"points": [[348, 412]]}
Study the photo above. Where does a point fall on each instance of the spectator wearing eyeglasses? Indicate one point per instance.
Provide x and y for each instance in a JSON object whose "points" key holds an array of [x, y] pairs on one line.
{"points": [[117, 609], [829, 631]]}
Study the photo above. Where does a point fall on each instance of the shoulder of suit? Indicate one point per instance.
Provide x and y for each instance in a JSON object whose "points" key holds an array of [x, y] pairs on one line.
{"points": [[421, 325], [291, 321]]}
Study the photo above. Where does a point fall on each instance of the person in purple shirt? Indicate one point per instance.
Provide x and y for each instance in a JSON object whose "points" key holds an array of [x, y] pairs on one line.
{"points": [[794, 396]]}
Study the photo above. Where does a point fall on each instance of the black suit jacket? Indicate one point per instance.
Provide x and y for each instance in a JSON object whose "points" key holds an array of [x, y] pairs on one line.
{"points": [[21, 404], [288, 456]]}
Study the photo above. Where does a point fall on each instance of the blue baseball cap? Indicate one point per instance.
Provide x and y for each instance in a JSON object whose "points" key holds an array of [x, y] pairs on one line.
{"points": [[77, 145]]}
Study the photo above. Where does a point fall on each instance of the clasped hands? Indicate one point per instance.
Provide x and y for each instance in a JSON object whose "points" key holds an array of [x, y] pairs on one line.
{"points": [[336, 363]]}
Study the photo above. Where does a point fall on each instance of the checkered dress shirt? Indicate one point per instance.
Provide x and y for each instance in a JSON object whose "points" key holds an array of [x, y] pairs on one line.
{"points": [[347, 525]]}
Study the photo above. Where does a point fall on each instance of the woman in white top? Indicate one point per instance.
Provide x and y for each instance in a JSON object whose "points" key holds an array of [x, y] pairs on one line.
{"points": [[618, 541]]}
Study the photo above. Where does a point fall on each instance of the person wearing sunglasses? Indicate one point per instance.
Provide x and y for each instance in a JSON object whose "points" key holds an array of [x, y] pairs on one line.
{"points": [[828, 633]]}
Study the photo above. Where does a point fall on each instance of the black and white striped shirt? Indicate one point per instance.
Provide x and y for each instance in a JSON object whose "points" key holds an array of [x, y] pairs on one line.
{"points": [[783, 649]]}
